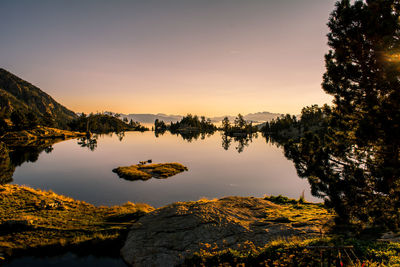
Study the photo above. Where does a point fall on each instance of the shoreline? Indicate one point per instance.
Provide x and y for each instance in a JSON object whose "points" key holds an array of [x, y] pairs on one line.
{"points": [[34, 221], [41, 223], [25, 137]]}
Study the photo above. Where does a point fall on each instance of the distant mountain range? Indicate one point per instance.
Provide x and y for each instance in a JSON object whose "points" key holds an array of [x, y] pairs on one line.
{"points": [[258, 117], [17, 94], [150, 118], [254, 117]]}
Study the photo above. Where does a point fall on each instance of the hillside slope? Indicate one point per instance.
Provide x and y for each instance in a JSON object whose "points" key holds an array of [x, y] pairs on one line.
{"points": [[17, 94]]}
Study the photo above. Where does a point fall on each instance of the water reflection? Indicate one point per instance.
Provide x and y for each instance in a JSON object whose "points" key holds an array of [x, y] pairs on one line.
{"points": [[241, 141], [89, 142], [159, 132], [226, 141], [14, 155], [120, 135], [217, 168], [188, 136]]}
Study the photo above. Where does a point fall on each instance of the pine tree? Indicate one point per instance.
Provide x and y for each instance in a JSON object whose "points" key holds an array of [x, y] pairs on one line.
{"points": [[226, 125], [354, 162]]}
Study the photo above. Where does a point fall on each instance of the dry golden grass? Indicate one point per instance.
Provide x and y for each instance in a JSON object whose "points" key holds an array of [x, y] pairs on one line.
{"points": [[39, 133], [31, 218]]}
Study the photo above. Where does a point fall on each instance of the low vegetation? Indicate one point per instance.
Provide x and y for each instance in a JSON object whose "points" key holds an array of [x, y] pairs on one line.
{"points": [[145, 172], [240, 127], [328, 251], [189, 126], [330, 247], [104, 123], [37, 220], [39, 132]]}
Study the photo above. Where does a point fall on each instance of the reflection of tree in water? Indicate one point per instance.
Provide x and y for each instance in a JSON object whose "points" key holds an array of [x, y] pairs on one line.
{"points": [[270, 140], [158, 133], [90, 142], [226, 141], [120, 135], [189, 136], [242, 141], [14, 156]]}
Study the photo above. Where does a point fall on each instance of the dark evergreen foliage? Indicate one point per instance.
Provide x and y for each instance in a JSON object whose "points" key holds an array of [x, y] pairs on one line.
{"points": [[240, 126], [353, 159], [159, 126], [193, 123], [103, 123]]}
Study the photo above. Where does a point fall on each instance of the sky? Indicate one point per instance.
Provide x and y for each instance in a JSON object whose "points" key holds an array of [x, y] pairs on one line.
{"points": [[205, 57]]}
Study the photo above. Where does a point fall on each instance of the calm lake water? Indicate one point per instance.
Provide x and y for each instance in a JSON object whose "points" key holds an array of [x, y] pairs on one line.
{"points": [[216, 169], [214, 172]]}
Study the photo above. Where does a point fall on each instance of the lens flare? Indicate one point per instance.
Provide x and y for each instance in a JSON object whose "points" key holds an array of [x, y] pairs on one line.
{"points": [[394, 57]]}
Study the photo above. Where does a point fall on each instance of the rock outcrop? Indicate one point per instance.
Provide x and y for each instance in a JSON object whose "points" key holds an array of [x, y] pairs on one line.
{"points": [[167, 235]]}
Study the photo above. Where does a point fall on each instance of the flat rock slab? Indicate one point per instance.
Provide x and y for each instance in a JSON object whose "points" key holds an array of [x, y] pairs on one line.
{"points": [[167, 235]]}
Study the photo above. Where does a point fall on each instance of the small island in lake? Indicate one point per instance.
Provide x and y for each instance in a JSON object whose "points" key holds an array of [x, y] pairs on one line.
{"points": [[145, 172]]}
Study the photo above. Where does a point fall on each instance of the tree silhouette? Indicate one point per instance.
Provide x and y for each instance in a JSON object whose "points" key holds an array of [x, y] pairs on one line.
{"points": [[354, 161], [240, 121], [226, 125]]}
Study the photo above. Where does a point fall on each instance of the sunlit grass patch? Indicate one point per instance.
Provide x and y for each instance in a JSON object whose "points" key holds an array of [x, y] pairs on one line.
{"points": [[145, 172], [300, 252], [31, 218]]}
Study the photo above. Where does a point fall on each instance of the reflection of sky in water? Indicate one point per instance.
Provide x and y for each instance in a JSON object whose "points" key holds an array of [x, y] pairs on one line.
{"points": [[213, 172]]}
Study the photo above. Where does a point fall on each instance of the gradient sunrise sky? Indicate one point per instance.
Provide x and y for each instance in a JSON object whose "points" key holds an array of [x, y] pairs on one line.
{"points": [[208, 57]]}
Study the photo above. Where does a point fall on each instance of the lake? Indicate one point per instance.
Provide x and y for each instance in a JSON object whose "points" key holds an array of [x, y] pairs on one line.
{"points": [[214, 171]]}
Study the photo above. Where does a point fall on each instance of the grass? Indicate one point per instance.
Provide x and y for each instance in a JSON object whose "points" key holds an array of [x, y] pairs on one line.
{"points": [[298, 252], [38, 133], [301, 251], [145, 172], [299, 212], [33, 219]]}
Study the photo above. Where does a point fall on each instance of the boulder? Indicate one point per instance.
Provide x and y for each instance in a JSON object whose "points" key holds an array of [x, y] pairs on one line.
{"points": [[167, 235]]}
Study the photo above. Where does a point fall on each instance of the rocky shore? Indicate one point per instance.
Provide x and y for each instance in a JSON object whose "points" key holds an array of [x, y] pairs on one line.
{"points": [[166, 236]]}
